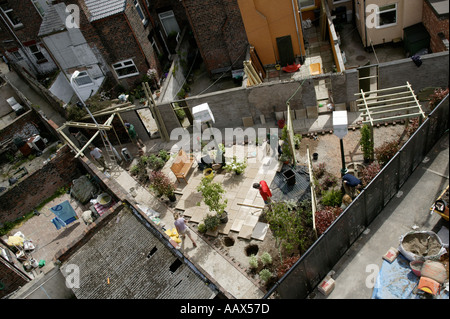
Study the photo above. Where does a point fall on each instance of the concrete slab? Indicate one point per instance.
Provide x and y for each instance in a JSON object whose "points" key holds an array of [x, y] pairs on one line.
{"points": [[237, 225], [260, 231], [246, 232]]}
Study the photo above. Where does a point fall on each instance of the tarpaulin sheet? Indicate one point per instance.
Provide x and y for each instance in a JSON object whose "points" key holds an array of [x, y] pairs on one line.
{"points": [[397, 281]]}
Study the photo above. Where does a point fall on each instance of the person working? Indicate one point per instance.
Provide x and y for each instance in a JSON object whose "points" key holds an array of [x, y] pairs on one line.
{"points": [[133, 135], [182, 229], [350, 183], [97, 155], [264, 191]]}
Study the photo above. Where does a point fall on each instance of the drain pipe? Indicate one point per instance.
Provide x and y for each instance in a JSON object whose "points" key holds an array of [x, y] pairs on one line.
{"points": [[296, 27], [365, 24]]}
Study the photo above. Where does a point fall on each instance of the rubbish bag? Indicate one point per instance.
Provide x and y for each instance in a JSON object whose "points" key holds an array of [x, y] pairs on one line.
{"points": [[83, 190]]}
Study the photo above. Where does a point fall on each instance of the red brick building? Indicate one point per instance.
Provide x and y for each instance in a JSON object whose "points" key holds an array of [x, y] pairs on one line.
{"points": [[219, 31], [19, 41], [435, 19]]}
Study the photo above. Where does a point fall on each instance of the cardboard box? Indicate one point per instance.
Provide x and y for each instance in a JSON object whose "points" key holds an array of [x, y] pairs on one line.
{"points": [[326, 286], [391, 254]]}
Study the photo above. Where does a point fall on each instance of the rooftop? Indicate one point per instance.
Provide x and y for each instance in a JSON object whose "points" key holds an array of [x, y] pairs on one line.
{"points": [[100, 9]]}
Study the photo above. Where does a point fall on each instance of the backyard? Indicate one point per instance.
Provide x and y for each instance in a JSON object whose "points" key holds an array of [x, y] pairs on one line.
{"points": [[265, 244]]}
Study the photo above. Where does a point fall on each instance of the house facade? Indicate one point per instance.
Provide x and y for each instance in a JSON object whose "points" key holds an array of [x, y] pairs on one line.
{"points": [[383, 21], [435, 20], [19, 41], [274, 29]]}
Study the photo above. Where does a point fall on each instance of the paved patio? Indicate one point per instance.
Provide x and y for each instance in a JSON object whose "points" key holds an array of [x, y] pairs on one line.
{"points": [[244, 202]]}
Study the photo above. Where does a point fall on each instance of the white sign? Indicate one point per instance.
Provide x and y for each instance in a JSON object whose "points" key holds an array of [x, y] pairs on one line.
{"points": [[202, 113], [340, 123]]}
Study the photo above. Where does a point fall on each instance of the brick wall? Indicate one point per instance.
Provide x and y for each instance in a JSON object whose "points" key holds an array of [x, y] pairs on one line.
{"points": [[434, 25], [24, 196], [11, 279], [219, 32]]}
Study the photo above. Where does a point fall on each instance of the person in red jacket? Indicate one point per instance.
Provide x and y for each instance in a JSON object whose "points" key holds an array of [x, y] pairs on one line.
{"points": [[264, 191]]}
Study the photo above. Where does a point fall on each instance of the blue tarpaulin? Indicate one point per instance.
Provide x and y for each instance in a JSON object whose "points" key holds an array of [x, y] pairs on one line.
{"points": [[65, 214], [397, 281]]}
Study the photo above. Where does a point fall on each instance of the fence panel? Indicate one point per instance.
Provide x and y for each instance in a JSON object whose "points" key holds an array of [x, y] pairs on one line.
{"points": [[390, 180], [405, 163], [296, 287], [357, 218], [374, 199]]}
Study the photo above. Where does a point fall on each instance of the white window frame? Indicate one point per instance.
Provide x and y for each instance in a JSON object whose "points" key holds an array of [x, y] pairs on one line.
{"points": [[166, 15], [39, 7], [18, 25], [141, 14], [83, 75], [124, 66], [155, 46], [307, 6], [378, 12]]}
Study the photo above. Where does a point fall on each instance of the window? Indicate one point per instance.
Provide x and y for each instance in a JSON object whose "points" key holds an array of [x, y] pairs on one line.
{"points": [[41, 6], [17, 55], [125, 69], [83, 79], [169, 22], [139, 11], [307, 3], [36, 52], [13, 19], [155, 46], [387, 15]]}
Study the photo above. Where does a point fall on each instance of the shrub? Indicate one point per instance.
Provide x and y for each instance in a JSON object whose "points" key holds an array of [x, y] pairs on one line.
{"points": [[386, 151], [265, 275], [155, 163], [253, 262], [332, 198], [320, 170], [161, 184], [286, 265], [135, 170], [325, 217], [202, 228], [266, 258], [211, 221], [437, 97], [329, 181], [369, 172], [366, 142], [164, 155]]}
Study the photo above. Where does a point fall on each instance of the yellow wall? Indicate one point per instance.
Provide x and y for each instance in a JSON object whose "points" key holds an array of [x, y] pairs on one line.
{"points": [[267, 20]]}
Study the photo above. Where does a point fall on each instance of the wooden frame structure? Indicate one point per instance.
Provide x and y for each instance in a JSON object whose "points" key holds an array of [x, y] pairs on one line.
{"points": [[401, 100]]}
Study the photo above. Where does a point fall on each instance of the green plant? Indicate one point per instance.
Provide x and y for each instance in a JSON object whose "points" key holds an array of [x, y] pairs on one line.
{"points": [[332, 197], [266, 258], [202, 228], [285, 148], [297, 140], [265, 275], [320, 170], [386, 151], [164, 155], [212, 196], [285, 224], [135, 170], [366, 142], [155, 163], [235, 166], [253, 262], [161, 184], [211, 222], [180, 113]]}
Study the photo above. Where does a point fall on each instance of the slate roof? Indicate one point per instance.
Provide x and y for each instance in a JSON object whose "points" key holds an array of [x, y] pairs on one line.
{"points": [[120, 251], [100, 9], [53, 21]]}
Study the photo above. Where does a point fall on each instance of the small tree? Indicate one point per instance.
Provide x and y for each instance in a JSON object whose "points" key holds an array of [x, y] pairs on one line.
{"points": [[367, 142], [265, 275], [266, 259], [253, 262], [212, 196]]}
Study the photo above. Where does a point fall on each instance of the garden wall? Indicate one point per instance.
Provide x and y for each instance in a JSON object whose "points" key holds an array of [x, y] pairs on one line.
{"points": [[33, 189]]}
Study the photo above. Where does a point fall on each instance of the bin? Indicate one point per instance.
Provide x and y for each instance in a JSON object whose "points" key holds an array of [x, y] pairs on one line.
{"points": [[289, 175]]}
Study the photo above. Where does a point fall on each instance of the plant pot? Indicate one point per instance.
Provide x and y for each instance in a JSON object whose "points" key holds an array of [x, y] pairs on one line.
{"points": [[208, 173], [224, 217], [289, 175], [172, 197], [315, 156]]}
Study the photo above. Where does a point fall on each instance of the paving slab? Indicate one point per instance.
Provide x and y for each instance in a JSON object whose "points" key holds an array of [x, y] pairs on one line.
{"points": [[260, 231]]}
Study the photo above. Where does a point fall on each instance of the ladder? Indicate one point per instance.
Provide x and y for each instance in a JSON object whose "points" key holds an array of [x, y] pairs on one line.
{"points": [[113, 156]]}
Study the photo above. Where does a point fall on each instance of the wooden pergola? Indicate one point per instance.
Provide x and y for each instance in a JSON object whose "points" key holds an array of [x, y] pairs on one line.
{"points": [[377, 106]]}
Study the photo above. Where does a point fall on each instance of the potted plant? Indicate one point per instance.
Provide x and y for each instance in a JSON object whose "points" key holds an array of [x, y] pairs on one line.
{"points": [[212, 196], [237, 167], [211, 222], [162, 185]]}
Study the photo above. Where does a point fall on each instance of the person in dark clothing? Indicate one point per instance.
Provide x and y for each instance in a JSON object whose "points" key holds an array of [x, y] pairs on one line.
{"points": [[350, 183]]}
